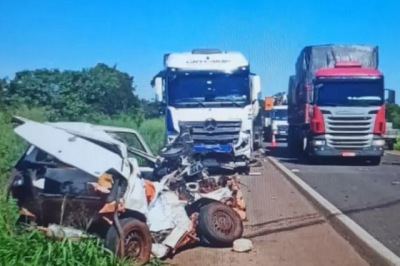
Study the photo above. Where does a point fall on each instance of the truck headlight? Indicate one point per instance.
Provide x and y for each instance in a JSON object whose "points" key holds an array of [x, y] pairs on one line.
{"points": [[378, 142], [245, 136], [318, 143], [171, 136]]}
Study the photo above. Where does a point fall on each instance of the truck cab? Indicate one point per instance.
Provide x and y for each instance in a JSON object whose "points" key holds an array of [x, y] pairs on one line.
{"points": [[215, 94], [346, 113], [337, 104], [279, 123]]}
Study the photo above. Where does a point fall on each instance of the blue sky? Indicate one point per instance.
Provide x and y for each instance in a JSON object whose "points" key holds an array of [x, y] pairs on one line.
{"points": [[72, 34]]}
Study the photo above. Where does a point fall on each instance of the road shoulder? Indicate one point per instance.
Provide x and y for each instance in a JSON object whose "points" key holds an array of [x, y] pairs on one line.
{"points": [[286, 229], [370, 248]]}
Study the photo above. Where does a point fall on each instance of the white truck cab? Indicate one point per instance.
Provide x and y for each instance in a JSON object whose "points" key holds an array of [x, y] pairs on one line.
{"points": [[215, 93], [279, 122]]}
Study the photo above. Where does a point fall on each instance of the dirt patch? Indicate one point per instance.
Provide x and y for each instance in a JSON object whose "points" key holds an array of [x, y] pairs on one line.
{"points": [[284, 227]]}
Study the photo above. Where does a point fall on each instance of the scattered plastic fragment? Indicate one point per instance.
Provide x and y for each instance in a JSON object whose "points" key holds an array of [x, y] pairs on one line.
{"points": [[242, 245], [255, 173]]}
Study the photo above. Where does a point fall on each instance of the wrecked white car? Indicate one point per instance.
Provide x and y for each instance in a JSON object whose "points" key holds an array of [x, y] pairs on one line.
{"points": [[85, 183], [87, 177]]}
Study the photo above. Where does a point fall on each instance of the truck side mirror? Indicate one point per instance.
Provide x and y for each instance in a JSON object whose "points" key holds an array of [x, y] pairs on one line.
{"points": [[158, 86], [256, 86], [391, 97]]}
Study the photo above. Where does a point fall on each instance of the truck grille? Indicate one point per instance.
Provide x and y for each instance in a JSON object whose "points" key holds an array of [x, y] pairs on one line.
{"points": [[349, 132], [283, 128], [225, 132]]}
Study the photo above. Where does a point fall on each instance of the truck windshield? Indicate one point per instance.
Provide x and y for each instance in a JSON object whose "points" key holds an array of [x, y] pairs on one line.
{"points": [[345, 92], [201, 88], [279, 114]]}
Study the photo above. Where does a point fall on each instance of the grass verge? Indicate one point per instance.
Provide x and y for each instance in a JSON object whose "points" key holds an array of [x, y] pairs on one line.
{"points": [[33, 248]]}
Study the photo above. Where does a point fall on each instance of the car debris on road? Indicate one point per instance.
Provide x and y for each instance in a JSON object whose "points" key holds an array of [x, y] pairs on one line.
{"points": [[79, 180]]}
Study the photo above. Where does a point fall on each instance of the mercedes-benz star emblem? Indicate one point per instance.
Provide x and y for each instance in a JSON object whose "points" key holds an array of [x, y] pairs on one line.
{"points": [[210, 124]]}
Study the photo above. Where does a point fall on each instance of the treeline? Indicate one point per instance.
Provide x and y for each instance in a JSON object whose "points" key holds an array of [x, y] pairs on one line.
{"points": [[73, 95], [101, 94], [393, 114]]}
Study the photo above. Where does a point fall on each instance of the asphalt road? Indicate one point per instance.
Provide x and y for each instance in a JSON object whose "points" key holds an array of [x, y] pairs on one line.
{"points": [[370, 195]]}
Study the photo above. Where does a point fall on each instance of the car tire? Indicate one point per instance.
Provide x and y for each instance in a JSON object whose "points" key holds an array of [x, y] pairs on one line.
{"points": [[138, 240], [219, 225]]}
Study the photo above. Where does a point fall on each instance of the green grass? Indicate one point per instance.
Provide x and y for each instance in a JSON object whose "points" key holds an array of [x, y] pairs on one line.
{"points": [[33, 248], [397, 144], [152, 130]]}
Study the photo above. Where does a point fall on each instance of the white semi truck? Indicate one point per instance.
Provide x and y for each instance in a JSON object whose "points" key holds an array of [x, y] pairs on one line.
{"points": [[215, 94]]}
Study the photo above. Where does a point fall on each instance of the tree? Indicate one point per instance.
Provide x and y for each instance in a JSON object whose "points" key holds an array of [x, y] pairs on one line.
{"points": [[76, 95], [393, 114]]}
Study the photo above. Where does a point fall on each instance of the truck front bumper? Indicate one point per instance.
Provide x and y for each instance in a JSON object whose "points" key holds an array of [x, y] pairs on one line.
{"points": [[281, 134], [332, 152], [225, 155], [229, 154], [318, 148]]}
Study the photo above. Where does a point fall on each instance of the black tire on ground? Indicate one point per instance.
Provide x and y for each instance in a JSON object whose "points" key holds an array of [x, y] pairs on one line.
{"points": [[375, 160], [261, 139], [256, 146], [219, 225], [245, 170], [138, 240], [257, 141]]}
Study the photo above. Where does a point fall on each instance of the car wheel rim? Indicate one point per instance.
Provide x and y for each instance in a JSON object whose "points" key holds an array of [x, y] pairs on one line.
{"points": [[133, 244], [223, 223]]}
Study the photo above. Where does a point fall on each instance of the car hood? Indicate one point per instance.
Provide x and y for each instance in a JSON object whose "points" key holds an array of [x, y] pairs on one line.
{"points": [[74, 148]]}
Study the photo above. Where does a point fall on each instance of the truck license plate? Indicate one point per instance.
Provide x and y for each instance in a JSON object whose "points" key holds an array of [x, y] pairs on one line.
{"points": [[348, 154]]}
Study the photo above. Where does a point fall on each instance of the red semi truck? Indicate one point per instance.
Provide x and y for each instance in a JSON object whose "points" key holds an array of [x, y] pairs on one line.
{"points": [[336, 103]]}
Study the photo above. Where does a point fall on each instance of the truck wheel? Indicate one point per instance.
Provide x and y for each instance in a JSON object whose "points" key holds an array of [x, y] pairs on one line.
{"points": [[304, 144], [138, 240], [219, 225], [261, 139], [375, 160], [390, 146], [258, 140]]}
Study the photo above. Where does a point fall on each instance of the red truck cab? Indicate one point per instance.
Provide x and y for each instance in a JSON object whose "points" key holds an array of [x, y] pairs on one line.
{"points": [[343, 115]]}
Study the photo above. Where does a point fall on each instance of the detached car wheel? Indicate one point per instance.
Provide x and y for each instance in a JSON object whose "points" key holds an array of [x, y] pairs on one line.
{"points": [[138, 240], [219, 225]]}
